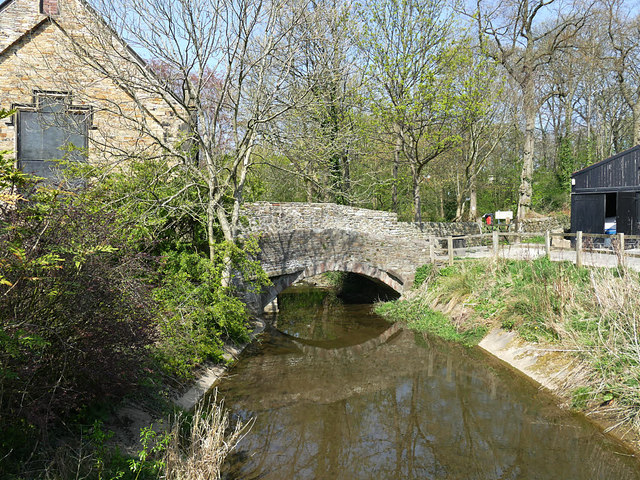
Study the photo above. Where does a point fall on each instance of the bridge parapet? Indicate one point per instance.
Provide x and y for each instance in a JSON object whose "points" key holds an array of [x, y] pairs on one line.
{"points": [[268, 217], [299, 240]]}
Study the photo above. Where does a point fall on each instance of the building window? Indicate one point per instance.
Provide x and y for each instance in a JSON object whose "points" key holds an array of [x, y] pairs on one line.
{"points": [[51, 129]]}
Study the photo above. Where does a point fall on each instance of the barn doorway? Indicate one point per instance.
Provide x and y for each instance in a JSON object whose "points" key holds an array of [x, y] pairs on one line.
{"points": [[611, 212]]}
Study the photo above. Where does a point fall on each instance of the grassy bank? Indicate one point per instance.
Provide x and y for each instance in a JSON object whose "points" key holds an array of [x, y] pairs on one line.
{"points": [[592, 312], [424, 319]]}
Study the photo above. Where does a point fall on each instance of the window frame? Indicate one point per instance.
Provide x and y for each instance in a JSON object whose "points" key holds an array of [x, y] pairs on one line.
{"points": [[38, 105]]}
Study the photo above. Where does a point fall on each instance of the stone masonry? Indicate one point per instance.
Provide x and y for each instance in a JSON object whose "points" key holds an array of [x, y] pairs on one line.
{"points": [[300, 240], [64, 46]]}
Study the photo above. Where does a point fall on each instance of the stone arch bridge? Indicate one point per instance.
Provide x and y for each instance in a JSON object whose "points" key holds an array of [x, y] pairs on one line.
{"points": [[300, 240]]}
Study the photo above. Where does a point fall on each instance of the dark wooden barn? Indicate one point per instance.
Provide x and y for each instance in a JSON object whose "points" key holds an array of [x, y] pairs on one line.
{"points": [[605, 195]]}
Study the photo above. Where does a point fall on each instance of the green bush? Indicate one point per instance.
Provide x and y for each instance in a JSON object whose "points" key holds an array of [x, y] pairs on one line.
{"points": [[198, 311], [335, 279], [422, 274], [552, 194], [104, 289], [75, 314]]}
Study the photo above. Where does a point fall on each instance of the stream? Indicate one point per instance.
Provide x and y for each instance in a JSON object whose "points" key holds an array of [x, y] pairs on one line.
{"points": [[336, 392]]}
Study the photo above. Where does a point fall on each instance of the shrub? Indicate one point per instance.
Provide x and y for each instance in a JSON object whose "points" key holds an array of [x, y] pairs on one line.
{"points": [[198, 311], [75, 313], [422, 274]]}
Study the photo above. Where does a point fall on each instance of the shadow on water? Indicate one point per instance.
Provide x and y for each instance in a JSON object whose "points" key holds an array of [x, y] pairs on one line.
{"points": [[359, 289], [319, 317], [341, 394]]}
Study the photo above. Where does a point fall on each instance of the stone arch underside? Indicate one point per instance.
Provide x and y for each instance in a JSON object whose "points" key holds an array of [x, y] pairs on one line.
{"points": [[281, 282]]}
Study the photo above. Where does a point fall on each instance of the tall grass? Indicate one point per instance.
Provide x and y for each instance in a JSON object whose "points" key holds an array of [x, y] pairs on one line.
{"points": [[609, 338], [199, 444], [192, 447]]}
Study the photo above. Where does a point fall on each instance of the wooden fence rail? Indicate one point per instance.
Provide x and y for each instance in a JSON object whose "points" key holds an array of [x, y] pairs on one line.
{"points": [[579, 247]]}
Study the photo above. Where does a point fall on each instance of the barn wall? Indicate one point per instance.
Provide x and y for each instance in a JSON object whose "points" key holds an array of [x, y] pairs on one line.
{"points": [[621, 171], [587, 212]]}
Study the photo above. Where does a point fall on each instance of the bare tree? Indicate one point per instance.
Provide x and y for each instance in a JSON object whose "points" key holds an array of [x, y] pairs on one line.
{"points": [[624, 38], [519, 35], [225, 76], [322, 135]]}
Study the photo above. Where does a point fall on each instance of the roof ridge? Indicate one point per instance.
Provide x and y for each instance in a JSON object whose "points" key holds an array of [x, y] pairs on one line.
{"points": [[4, 4], [17, 20]]}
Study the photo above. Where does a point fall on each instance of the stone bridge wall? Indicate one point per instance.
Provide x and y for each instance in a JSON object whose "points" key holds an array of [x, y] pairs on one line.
{"points": [[299, 240], [553, 224], [266, 216]]}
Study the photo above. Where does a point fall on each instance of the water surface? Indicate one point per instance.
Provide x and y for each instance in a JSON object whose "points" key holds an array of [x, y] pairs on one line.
{"points": [[338, 393]]}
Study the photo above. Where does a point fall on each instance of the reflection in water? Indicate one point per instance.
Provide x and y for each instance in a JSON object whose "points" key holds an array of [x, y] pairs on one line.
{"points": [[317, 317], [400, 405]]}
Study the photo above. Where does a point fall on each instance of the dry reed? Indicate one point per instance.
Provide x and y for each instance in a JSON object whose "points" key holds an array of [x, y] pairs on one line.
{"points": [[199, 453]]}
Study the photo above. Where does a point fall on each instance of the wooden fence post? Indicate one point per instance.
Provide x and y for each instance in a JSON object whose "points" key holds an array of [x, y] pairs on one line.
{"points": [[450, 248], [432, 249], [547, 244], [494, 238], [579, 249], [621, 248]]}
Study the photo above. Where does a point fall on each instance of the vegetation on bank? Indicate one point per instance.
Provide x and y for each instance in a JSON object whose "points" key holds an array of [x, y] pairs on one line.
{"points": [[424, 319], [107, 292], [591, 312]]}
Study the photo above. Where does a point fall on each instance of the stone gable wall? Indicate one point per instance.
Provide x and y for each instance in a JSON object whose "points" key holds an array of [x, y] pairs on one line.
{"points": [[41, 53], [17, 18]]}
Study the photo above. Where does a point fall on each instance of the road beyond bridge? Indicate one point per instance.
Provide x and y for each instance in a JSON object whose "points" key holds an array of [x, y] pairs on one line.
{"points": [[300, 240]]}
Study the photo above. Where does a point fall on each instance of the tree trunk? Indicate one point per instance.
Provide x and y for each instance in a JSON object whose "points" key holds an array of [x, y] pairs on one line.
{"points": [[460, 209], [396, 163], [347, 179], [309, 190], [588, 119], [473, 192], [417, 207], [223, 221], [461, 199], [211, 221], [636, 123], [238, 194], [526, 176]]}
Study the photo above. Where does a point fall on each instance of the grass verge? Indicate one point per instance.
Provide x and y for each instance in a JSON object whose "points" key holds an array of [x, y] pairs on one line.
{"points": [[431, 321]]}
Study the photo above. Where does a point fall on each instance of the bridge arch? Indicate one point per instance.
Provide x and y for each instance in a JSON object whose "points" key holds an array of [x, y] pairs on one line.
{"points": [[375, 273], [299, 240]]}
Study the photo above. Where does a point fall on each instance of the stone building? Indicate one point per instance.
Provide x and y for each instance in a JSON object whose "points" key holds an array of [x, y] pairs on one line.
{"points": [[59, 70]]}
